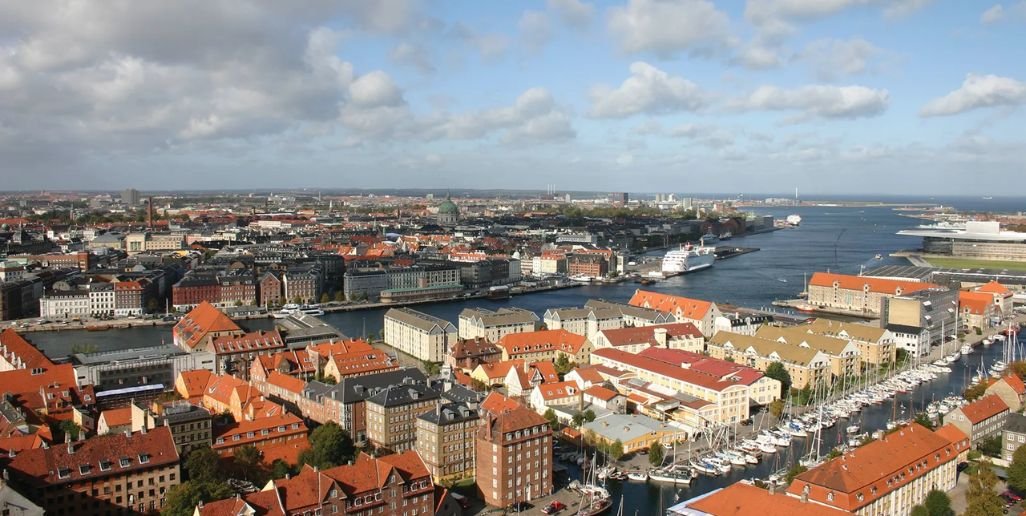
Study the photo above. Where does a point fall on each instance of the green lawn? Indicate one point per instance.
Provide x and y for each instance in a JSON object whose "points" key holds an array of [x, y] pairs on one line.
{"points": [[963, 263]]}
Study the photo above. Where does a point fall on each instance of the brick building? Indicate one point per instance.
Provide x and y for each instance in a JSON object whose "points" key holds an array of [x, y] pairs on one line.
{"points": [[104, 474], [513, 456]]}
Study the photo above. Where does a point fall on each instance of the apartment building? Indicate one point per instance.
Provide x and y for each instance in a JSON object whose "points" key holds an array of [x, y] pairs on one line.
{"points": [[683, 336], [728, 387], [121, 472], [513, 453], [585, 321], [392, 414], [1010, 389], [445, 440], [806, 366], [1013, 436], [545, 345], [859, 294], [353, 393], [632, 315], [467, 354], [877, 346], [845, 356], [702, 314], [191, 425], [888, 476], [481, 323], [981, 419], [281, 434], [418, 334]]}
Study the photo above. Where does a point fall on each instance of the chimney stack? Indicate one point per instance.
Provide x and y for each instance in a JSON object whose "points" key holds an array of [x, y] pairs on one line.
{"points": [[149, 212], [71, 446], [660, 336]]}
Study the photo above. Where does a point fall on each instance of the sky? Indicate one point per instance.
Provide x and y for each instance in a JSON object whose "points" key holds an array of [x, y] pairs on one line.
{"points": [[683, 96]]}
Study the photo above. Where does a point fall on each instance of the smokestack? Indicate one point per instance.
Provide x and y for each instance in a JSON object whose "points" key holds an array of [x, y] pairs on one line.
{"points": [[149, 212]]}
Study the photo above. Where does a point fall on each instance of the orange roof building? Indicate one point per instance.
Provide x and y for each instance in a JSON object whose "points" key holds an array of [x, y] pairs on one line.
{"points": [[744, 499], [859, 294], [701, 313], [18, 353], [980, 419], [198, 327], [886, 476], [545, 345]]}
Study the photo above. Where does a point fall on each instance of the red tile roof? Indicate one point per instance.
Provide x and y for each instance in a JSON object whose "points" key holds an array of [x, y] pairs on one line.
{"points": [[953, 435], [1015, 383], [879, 285], [252, 342], [646, 334], [866, 474], [54, 389], [20, 352], [117, 417], [499, 370], [195, 383], [741, 499], [199, 322], [984, 408], [709, 381], [589, 374], [687, 308], [994, 287], [284, 381], [976, 303], [510, 415], [334, 347], [558, 390], [517, 344], [599, 392], [102, 454], [277, 426]]}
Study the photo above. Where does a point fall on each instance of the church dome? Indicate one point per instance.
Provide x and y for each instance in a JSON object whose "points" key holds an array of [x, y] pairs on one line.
{"points": [[448, 207]]}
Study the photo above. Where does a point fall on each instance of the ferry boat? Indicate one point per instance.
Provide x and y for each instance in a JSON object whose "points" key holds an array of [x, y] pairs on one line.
{"points": [[688, 259], [794, 220], [710, 238]]}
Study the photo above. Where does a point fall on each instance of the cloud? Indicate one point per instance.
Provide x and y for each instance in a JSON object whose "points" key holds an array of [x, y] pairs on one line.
{"points": [[993, 15], [817, 100], [709, 136], [977, 91], [572, 12], [833, 58], [648, 90], [489, 46], [901, 8], [670, 27], [535, 30], [533, 117], [415, 56], [375, 89], [758, 57]]}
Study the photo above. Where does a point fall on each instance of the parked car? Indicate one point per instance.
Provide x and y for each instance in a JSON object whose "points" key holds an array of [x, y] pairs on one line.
{"points": [[1011, 496], [554, 507]]}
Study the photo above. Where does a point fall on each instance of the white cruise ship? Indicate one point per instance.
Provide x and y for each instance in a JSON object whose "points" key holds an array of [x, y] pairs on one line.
{"points": [[688, 259], [794, 220]]}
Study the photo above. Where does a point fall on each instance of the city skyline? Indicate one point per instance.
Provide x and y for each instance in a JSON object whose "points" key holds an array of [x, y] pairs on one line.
{"points": [[848, 96]]}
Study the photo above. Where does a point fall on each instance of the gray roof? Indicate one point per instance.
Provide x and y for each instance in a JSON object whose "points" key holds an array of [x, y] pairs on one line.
{"points": [[627, 427], [500, 316], [165, 351], [633, 311], [403, 394], [360, 388], [419, 320], [1016, 423], [449, 413]]}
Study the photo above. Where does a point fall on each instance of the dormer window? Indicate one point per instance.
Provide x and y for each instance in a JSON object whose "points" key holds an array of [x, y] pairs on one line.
{"points": [[104, 465], [125, 462], [63, 472], [84, 469], [144, 458]]}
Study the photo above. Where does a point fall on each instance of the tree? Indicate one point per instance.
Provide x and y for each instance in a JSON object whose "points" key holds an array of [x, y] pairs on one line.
{"points": [[776, 408], [577, 420], [1017, 470], [924, 420], [778, 372], [655, 454], [563, 365], [431, 368], [330, 446], [247, 462], [202, 465], [981, 499], [339, 296], [325, 298], [1018, 368], [991, 446], [550, 416], [279, 469], [589, 416], [795, 470], [938, 504], [67, 428], [183, 498], [238, 302], [920, 510], [975, 392], [616, 449]]}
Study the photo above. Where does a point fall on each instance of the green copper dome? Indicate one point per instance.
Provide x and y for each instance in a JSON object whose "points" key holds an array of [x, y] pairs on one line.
{"points": [[448, 207]]}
